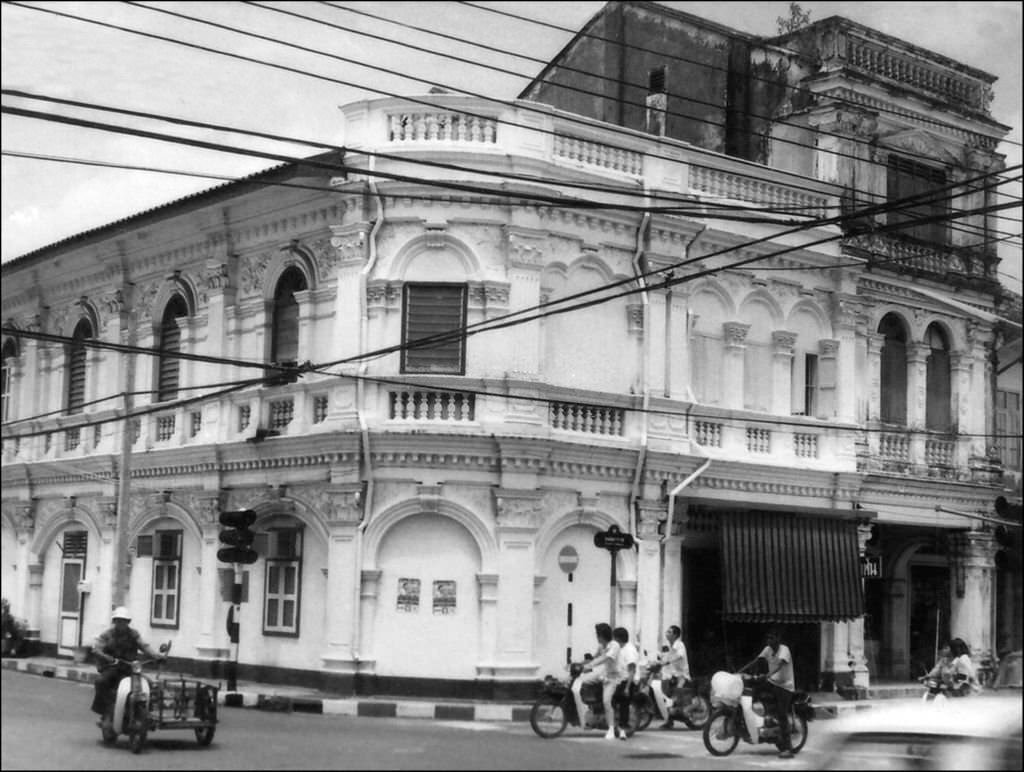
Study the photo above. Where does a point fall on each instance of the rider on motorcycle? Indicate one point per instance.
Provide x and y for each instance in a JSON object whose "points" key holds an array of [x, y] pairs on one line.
{"points": [[604, 669], [118, 642], [675, 666], [780, 680]]}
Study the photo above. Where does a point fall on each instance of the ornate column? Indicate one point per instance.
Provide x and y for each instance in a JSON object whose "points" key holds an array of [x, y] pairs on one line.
{"points": [[735, 335], [369, 590], [828, 357], [20, 595], [858, 660], [973, 598], [844, 323], [782, 372], [213, 643], [960, 363], [505, 642], [646, 628], [917, 397], [672, 570], [341, 507]]}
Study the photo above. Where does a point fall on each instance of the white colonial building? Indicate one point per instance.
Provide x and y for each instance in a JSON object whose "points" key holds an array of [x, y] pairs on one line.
{"points": [[428, 513]]}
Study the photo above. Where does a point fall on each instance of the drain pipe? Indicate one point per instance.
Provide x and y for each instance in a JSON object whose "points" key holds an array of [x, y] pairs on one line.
{"points": [[645, 365], [367, 470]]}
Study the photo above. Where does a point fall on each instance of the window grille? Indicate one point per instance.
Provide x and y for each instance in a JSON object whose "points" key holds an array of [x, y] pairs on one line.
{"points": [[319, 409], [164, 428], [244, 416], [281, 413]]}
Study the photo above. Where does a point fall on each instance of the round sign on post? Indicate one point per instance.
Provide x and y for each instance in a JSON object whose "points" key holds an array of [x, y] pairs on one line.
{"points": [[568, 559]]}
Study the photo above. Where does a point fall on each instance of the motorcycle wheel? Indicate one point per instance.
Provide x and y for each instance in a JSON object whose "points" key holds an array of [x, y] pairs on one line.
{"points": [[640, 717], [138, 727], [206, 710], [797, 733], [719, 737], [548, 719], [696, 714]]}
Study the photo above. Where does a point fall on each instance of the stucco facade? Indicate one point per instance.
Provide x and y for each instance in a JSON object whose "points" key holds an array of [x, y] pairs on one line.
{"points": [[429, 519]]}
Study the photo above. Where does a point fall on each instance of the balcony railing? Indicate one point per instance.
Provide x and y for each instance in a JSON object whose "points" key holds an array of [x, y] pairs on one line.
{"points": [[418, 405], [441, 126], [588, 419]]}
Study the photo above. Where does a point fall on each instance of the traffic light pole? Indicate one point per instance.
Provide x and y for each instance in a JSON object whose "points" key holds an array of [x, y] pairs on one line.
{"points": [[233, 628]]}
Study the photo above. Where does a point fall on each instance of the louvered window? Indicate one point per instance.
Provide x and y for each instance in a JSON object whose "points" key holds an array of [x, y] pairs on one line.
{"points": [[77, 355], [10, 352], [75, 544], [433, 310], [284, 347], [907, 178], [170, 346]]}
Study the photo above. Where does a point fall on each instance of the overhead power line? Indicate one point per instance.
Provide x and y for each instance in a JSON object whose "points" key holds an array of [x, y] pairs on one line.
{"points": [[582, 121], [797, 89], [590, 75]]}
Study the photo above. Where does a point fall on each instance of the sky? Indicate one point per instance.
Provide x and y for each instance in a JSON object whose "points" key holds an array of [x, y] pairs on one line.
{"points": [[44, 201]]}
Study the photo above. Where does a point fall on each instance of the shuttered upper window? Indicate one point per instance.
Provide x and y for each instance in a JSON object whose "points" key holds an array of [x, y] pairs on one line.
{"points": [[432, 310], [907, 178], [170, 345], [10, 352], [284, 343], [894, 371], [938, 404], [77, 354]]}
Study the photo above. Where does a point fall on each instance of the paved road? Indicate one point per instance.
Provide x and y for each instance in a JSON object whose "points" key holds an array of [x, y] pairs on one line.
{"points": [[46, 724]]}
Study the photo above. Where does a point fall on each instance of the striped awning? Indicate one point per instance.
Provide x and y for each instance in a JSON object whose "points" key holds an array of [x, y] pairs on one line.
{"points": [[782, 567]]}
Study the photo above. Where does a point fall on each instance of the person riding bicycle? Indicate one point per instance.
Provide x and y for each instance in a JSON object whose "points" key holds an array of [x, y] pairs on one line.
{"points": [[118, 642]]}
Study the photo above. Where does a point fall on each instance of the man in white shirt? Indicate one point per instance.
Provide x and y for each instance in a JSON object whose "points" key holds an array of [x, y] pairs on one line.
{"points": [[603, 667], [780, 680], [629, 662], [675, 669]]}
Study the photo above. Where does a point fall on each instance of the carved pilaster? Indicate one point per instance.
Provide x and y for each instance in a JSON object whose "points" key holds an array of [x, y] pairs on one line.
{"points": [[652, 513], [735, 334], [107, 508], [25, 520]]}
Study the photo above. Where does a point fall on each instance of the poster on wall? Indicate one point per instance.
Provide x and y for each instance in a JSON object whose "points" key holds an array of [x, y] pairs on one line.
{"points": [[444, 596], [408, 594]]}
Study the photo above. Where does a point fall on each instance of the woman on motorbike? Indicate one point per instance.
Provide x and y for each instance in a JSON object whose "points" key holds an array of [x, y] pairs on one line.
{"points": [[604, 668], [965, 680], [940, 679]]}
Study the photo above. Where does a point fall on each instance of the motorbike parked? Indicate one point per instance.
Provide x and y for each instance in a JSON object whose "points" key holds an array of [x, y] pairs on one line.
{"points": [[688, 703], [143, 704], [555, 708], [739, 713]]}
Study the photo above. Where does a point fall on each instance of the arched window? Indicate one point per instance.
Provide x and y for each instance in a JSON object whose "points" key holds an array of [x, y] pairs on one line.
{"points": [[894, 370], [937, 408], [284, 339], [77, 354], [168, 365], [10, 353]]}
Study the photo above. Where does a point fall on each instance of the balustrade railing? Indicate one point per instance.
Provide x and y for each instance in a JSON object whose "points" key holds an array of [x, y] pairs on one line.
{"points": [[715, 182], [598, 154], [805, 445], [281, 413], [939, 452], [894, 447], [441, 126], [708, 434], [882, 61], [418, 405], [759, 440], [164, 428], [590, 419]]}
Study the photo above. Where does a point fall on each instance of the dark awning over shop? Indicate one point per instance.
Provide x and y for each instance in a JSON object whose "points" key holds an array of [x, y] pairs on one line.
{"points": [[781, 567]]}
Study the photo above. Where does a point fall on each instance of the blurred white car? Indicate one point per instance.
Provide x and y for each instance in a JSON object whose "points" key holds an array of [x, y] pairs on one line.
{"points": [[982, 732]]}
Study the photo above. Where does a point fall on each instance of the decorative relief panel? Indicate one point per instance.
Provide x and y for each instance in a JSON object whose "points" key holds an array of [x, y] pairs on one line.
{"points": [[520, 509]]}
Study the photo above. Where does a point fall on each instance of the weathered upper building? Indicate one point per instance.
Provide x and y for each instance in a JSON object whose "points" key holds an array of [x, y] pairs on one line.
{"points": [[718, 345]]}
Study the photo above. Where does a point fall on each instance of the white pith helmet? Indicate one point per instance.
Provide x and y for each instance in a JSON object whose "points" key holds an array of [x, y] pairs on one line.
{"points": [[121, 612]]}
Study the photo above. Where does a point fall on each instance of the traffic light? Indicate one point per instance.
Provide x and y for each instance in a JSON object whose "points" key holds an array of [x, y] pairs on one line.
{"points": [[238, 536]]}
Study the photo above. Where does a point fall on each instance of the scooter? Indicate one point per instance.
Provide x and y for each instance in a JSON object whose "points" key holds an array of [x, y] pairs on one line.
{"points": [[688, 703], [940, 690], [142, 704], [555, 708], [738, 713]]}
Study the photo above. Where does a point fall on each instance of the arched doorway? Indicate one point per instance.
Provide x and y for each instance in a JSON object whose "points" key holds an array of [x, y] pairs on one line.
{"points": [[571, 602], [427, 622]]}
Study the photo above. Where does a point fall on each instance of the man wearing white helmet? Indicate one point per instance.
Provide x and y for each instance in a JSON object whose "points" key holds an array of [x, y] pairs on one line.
{"points": [[114, 647]]}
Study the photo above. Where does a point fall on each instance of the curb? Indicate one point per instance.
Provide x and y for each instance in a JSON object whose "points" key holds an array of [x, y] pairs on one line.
{"points": [[353, 706], [372, 708]]}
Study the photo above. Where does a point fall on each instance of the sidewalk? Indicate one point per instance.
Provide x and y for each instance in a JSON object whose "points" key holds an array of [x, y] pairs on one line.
{"points": [[278, 697]]}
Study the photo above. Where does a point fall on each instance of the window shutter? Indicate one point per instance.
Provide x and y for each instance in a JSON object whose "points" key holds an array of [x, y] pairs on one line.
{"points": [[284, 347], [75, 543], [144, 546], [168, 545], [937, 408], [76, 367], [434, 309], [170, 346]]}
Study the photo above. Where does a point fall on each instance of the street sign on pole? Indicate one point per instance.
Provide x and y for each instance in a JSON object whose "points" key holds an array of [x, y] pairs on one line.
{"points": [[613, 540], [568, 559]]}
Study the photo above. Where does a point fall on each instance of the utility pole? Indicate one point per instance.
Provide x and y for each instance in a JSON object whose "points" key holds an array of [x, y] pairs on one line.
{"points": [[124, 474]]}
